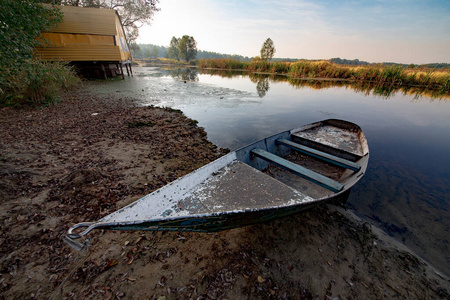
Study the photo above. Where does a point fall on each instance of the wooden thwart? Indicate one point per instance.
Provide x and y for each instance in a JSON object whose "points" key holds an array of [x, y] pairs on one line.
{"points": [[317, 178], [337, 161]]}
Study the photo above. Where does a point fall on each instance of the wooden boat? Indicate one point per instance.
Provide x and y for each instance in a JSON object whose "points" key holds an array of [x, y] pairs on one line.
{"points": [[277, 176]]}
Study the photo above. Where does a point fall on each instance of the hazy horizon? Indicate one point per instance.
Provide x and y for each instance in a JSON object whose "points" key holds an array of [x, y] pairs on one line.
{"points": [[290, 58], [374, 31]]}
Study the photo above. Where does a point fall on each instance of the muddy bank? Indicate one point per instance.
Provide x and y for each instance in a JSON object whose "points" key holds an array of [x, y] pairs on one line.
{"points": [[87, 156]]}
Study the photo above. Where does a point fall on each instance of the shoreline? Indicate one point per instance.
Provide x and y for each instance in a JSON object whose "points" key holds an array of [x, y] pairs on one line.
{"points": [[87, 156], [389, 241]]}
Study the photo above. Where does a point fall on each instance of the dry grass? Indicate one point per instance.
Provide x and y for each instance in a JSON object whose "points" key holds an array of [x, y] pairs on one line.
{"points": [[375, 74]]}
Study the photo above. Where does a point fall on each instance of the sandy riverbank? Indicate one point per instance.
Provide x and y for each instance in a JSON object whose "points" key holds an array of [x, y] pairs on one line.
{"points": [[86, 157]]}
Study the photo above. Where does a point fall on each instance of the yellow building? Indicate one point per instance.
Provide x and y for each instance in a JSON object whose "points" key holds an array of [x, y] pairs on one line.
{"points": [[92, 39]]}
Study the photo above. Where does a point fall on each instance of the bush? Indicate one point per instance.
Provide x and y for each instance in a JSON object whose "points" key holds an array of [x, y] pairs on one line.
{"points": [[37, 82], [24, 79]]}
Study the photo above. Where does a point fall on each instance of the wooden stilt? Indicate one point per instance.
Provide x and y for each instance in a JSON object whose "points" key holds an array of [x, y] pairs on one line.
{"points": [[117, 69], [126, 67], [131, 71], [121, 71], [104, 71]]}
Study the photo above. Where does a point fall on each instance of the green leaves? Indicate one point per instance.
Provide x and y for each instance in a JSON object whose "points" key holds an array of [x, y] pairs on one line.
{"points": [[267, 50], [173, 52], [22, 77], [21, 23], [187, 48], [184, 48]]}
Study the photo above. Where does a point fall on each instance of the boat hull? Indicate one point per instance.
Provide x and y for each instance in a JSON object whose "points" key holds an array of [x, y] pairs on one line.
{"points": [[251, 185]]}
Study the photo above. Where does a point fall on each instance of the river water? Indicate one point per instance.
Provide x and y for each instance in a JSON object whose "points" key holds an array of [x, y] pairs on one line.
{"points": [[406, 190]]}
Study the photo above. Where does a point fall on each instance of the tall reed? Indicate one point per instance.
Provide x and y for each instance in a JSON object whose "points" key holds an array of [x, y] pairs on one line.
{"points": [[375, 74]]}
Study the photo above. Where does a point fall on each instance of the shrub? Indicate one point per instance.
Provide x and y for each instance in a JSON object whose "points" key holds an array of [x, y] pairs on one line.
{"points": [[37, 82], [24, 79]]}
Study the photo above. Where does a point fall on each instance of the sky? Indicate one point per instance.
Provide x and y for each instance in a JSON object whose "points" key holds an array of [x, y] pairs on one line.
{"points": [[402, 31]]}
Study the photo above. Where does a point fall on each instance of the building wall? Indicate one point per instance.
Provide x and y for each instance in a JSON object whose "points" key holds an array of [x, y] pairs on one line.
{"points": [[86, 34]]}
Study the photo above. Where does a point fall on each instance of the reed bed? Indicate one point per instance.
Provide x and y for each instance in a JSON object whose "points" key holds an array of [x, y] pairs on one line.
{"points": [[375, 74], [221, 63]]}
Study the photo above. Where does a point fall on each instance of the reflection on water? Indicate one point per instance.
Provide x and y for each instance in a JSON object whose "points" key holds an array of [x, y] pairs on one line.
{"points": [[262, 86], [186, 74], [406, 189], [368, 88]]}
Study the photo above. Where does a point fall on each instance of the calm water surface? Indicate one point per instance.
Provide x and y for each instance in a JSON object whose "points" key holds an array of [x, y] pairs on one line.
{"points": [[406, 190]]}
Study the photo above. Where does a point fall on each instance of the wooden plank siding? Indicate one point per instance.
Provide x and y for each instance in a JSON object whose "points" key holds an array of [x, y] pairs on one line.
{"points": [[87, 20], [83, 53], [86, 34], [69, 39]]}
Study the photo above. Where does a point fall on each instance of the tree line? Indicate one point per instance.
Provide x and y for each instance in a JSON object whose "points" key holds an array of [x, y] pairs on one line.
{"points": [[186, 49], [157, 51], [357, 62]]}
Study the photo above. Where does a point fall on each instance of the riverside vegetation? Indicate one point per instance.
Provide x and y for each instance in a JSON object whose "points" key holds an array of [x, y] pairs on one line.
{"points": [[25, 79], [394, 75], [263, 80]]}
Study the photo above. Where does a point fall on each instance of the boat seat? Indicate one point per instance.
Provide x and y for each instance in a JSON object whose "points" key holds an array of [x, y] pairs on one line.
{"points": [[312, 176], [337, 161]]}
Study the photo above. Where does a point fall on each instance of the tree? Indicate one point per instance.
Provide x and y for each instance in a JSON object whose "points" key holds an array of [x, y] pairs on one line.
{"points": [[191, 49], [147, 53], [135, 49], [267, 50], [133, 13], [155, 51], [173, 52], [187, 48], [22, 76], [21, 23]]}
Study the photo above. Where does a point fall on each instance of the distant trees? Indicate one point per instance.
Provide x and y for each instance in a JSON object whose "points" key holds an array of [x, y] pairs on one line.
{"points": [[155, 51], [353, 62], [147, 51], [267, 50], [438, 66], [134, 48], [210, 54], [173, 52], [184, 48], [139, 50], [187, 48]]}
